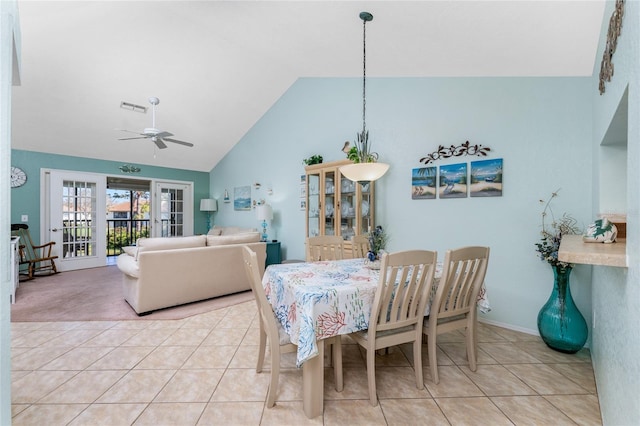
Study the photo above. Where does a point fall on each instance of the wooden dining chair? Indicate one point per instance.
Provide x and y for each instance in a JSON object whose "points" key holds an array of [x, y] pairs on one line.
{"points": [[398, 309], [359, 246], [325, 247], [454, 305], [271, 332], [38, 258]]}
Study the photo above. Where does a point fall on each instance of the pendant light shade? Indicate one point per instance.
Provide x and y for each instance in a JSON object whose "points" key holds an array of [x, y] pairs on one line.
{"points": [[365, 167], [364, 172]]}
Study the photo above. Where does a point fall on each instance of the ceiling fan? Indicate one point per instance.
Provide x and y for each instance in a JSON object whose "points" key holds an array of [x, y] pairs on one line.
{"points": [[159, 137]]}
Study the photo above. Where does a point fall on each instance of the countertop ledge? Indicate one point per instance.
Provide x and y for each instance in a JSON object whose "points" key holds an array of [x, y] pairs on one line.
{"points": [[574, 250]]}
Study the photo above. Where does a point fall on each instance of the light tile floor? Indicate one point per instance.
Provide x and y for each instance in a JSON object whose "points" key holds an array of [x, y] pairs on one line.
{"points": [[201, 371]]}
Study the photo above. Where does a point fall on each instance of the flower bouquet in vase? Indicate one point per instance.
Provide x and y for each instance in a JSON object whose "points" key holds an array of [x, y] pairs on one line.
{"points": [[560, 323], [377, 243]]}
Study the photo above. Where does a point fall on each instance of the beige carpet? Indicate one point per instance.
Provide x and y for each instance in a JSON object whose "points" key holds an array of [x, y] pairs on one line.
{"points": [[95, 295]]}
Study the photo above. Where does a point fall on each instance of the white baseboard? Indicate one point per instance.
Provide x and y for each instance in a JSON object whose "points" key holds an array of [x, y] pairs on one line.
{"points": [[516, 328], [510, 326]]}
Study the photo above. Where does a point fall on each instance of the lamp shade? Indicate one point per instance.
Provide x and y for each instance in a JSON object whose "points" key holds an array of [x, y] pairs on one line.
{"points": [[364, 172], [264, 212], [208, 205]]}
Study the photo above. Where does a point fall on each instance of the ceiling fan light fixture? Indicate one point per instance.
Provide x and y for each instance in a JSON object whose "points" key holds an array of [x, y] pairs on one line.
{"points": [[133, 107], [157, 136]]}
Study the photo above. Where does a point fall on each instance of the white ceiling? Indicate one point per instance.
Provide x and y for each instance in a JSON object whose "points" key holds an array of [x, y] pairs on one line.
{"points": [[218, 66]]}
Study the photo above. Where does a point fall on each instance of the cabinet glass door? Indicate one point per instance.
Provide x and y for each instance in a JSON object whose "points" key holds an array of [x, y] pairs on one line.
{"points": [[365, 218], [313, 205], [330, 206], [348, 206]]}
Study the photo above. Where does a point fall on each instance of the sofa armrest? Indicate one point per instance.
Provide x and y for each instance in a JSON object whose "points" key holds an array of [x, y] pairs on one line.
{"points": [[128, 265]]}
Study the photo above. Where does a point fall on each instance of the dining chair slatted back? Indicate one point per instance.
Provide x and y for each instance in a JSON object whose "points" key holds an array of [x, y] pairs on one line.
{"points": [[454, 305], [359, 246], [398, 309], [38, 258], [271, 332], [325, 247]]}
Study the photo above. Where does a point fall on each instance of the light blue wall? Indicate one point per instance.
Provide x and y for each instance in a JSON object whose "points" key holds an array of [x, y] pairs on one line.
{"points": [[541, 127], [616, 291], [26, 199]]}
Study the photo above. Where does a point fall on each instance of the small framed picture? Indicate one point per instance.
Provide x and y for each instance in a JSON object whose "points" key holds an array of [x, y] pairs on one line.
{"points": [[303, 204], [423, 183], [486, 178], [453, 181], [242, 197]]}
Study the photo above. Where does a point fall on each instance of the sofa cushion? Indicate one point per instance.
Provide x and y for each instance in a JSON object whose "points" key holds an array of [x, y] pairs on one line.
{"points": [[170, 243], [247, 237]]}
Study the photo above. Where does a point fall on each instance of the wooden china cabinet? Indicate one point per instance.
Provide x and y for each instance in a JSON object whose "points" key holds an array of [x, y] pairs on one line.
{"points": [[336, 205]]}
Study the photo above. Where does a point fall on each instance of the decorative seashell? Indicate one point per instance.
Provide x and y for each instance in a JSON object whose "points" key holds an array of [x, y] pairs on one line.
{"points": [[601, 231]]}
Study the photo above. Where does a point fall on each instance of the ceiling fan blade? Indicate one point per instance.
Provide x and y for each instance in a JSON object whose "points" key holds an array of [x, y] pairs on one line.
{"points": [[163, 135], [178, 142], [128, 139], [159, 143]]}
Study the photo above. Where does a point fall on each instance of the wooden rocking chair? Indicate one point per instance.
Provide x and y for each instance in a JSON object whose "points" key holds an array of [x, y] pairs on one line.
{"points": [[38, 258]]}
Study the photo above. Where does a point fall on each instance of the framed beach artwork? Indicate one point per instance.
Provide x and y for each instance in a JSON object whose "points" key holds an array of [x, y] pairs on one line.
{"points": [[423, 183], [486, 178], [242, 197], [453, 181]]}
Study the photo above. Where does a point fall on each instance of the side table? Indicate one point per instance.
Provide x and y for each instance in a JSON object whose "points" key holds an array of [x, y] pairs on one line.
{"points": [[274, 254]]}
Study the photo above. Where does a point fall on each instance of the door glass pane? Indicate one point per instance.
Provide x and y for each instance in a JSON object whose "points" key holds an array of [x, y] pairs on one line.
{"points": [[78, 211], [172, 212]]}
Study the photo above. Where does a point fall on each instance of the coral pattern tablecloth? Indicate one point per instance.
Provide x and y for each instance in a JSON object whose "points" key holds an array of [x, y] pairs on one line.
{"points": [[317, 300]]}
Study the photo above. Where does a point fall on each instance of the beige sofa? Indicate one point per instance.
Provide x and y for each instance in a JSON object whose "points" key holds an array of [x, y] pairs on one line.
{"points": [[163, 272]]}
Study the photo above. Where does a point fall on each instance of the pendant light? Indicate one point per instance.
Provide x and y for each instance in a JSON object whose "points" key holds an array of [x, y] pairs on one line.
{"points": [[365, 167]]}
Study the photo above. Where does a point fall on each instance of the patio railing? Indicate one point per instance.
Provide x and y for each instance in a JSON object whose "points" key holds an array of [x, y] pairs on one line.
{"points": [[124, 232]]}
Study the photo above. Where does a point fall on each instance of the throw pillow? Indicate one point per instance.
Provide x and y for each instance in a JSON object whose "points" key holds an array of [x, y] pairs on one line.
{"points": [[215, 231], [130, 250], [247, 237]]}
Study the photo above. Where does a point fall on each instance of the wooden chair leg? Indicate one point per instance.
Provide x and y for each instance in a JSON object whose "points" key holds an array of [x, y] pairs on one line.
{"points": [[470, 341], [433, 362], [261, 349], [417, 363], [275, 374], [371, 376]]}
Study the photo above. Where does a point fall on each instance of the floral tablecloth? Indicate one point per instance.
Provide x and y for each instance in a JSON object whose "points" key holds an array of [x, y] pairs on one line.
{"points": [[317, 300]]}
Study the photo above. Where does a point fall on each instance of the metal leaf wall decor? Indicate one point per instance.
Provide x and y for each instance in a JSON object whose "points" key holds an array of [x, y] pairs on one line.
{"points": [[615, 26], [456, 151]]}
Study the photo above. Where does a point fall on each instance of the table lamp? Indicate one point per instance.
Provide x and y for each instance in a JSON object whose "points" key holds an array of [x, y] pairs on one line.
{"points": [[264, 213], [208, 205]]}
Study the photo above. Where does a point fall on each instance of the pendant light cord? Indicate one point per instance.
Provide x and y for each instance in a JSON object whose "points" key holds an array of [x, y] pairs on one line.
{"points": [[364, 75]]}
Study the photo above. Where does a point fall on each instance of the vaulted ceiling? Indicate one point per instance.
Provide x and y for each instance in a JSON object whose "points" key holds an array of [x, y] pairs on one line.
{"points": [[218, 66]]}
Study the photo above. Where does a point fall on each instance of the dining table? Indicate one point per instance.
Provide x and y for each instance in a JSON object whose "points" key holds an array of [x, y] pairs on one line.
{"points": [[317, 300]]}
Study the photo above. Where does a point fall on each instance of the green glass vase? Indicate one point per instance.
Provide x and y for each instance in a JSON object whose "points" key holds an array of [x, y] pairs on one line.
{"points": [[560, 323]]}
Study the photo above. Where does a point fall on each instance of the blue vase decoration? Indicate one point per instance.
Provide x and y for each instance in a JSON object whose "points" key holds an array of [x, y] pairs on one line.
{"points": [[561, 325]]}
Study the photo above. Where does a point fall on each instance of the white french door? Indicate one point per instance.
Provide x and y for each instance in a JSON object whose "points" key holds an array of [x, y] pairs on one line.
{"points": [[77, 219], [173, 209]]}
